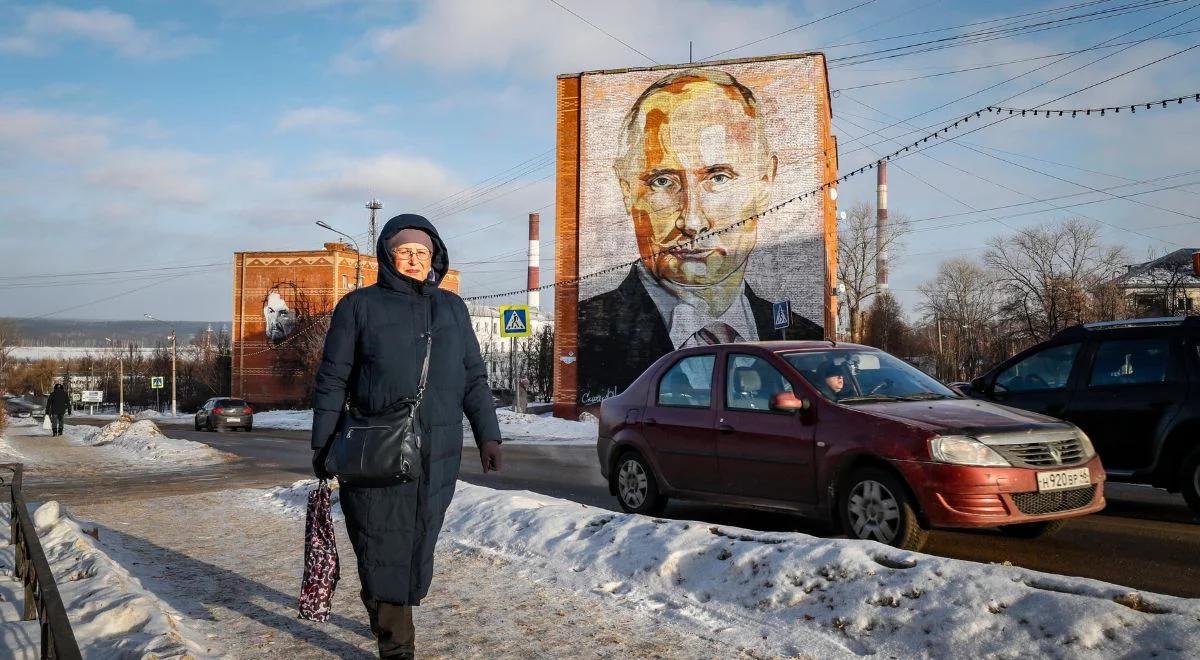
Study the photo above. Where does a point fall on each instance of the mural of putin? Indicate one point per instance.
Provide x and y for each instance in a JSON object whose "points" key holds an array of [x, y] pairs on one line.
{"points": [[693, 162]]}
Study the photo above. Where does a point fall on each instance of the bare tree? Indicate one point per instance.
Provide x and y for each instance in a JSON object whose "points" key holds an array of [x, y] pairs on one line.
{"points": [[8, 342], [858, 254], [1048, 275], [961, 306], [885, 326]]}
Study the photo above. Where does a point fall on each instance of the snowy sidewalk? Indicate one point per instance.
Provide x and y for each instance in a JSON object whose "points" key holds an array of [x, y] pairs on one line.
{"points": [[234, 568]]}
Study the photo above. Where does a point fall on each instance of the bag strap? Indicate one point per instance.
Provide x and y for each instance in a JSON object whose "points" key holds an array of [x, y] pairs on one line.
{"points": [[428, 352]]}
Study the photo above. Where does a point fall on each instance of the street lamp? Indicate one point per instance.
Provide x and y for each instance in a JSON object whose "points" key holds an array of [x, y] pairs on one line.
{"points": [[120, 377], [358, 281], [174, 408]]}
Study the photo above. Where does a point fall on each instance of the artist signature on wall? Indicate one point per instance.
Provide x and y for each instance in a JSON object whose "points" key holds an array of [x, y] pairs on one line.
{"points": [[591, 398]]}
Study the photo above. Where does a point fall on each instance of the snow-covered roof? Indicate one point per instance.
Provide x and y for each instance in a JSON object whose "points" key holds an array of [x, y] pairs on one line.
{"points": [[1174, 266]]}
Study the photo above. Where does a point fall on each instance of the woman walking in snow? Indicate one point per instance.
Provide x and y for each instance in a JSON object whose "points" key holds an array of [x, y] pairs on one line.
{"points": [[373, 357]]}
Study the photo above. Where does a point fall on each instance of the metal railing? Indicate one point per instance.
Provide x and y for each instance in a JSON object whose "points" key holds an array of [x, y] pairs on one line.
{"points": [[42, 600]]}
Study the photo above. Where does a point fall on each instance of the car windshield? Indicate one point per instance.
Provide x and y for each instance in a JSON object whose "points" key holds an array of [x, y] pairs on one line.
{"points": [[861, 376]]}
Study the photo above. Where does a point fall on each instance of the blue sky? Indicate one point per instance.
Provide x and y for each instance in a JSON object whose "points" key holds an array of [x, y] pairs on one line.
{"points": [[165, 134]]}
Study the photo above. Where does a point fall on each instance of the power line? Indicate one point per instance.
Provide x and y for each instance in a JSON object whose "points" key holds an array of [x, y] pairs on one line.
{"points": [[610, 36], [779, 34], [1087, 112], [994, 34], [116, 272], [1041, 84]]}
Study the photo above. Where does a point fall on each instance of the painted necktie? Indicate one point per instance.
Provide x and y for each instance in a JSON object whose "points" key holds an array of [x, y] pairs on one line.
{"points": [[716, 333]]}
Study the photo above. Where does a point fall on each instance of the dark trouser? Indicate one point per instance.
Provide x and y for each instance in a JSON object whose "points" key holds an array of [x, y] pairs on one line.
{"points": [[56, 424], [392, 625]]}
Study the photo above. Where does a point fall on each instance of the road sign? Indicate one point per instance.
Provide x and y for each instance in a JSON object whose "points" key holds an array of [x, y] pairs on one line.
{"points": [[93, 396], [514, 321], [781, 312], [156, 382]]}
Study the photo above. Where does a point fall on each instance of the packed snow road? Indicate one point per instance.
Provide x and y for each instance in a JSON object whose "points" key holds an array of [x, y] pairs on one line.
{"points": [[1145, 539]]}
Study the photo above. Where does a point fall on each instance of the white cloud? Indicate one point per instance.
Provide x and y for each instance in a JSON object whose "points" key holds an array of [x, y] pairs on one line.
{"points": [[403, 179], [315, 118], [535, 38], [48, 28]]}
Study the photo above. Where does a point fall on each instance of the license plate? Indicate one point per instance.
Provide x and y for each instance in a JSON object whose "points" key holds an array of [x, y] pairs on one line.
{"points": [[233, 419], [1063, 479]]}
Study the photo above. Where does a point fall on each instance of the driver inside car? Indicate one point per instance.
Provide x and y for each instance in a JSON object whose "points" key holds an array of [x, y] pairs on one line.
{"points": [[833, 381]]}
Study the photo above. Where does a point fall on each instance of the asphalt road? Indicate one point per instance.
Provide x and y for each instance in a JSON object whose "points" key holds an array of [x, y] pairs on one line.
{"points": [[1146, 538]]}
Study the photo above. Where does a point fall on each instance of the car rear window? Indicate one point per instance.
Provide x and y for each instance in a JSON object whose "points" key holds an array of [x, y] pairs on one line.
{"points": [[231, 403]]}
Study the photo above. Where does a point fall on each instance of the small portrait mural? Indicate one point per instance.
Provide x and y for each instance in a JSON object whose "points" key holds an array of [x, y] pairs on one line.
{"points": [[279, 317], [676, 172]]}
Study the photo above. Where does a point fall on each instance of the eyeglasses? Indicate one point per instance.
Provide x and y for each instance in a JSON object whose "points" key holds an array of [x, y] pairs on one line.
{"points": [[422, 256]]}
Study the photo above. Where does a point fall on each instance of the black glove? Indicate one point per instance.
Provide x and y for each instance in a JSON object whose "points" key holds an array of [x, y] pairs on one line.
{"points": [[318, 464]]}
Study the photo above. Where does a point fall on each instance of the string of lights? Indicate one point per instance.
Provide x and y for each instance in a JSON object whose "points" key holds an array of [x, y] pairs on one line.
{"points": [[1099, 112]]}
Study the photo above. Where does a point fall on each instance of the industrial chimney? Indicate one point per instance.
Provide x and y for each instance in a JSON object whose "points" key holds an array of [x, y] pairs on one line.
{"points": [[532, 284]]}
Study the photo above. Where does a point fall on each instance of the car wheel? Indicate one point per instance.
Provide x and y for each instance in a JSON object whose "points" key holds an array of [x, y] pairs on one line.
{"points": [[247, 429], [876, 506], [637, 490], [1189, 481], [197, 425], [1034, 530]]}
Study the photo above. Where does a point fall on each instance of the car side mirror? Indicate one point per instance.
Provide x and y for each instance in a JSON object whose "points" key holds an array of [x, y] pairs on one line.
{"points": [[789, 402]]}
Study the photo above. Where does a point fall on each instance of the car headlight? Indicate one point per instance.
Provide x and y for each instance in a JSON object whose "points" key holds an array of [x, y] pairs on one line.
{"points": [[1088, 450], [964, 450]]}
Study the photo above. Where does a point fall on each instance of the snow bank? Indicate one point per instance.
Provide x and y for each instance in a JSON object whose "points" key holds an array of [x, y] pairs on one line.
{"points": [[143, 441], [292, 501], [111, 614], [289, 420], [514, 427], [792, 593], [536, 429]]}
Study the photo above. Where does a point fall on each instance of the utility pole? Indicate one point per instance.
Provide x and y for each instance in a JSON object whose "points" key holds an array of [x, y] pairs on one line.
{"points": [[374, 205], [120, 378], [174, 406], [881, 218]]}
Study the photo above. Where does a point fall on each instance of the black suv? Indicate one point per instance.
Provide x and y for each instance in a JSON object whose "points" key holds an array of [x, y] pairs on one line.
{"points": [[1132, 386]]}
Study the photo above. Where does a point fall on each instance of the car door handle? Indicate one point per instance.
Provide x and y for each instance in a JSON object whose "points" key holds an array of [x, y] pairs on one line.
{"points": [[725, 428], [650, 421]]}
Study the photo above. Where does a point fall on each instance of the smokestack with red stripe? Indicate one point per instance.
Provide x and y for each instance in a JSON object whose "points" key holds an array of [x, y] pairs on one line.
{"points": [[534, 259]]}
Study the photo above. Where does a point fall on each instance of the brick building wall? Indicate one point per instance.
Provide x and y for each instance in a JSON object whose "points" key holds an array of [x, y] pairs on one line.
{"points": [[278, 300]]}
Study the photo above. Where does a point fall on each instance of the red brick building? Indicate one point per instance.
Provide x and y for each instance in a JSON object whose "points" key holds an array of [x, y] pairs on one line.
{"points": [[280, 303]]}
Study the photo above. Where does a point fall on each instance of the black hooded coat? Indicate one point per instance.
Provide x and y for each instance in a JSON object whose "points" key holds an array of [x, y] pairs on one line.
{"points": [[373, 354]]}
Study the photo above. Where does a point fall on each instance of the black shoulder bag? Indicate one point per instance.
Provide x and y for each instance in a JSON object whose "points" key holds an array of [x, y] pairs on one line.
{"points": [[381, 448]]}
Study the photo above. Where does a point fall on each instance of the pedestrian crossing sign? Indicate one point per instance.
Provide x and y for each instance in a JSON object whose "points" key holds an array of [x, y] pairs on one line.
{"points": [[156, 382], [782, 313], [514, 321]]}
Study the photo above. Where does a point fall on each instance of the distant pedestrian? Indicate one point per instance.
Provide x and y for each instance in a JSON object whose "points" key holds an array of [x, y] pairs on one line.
{"points": [[57, 406], [373, 356]]}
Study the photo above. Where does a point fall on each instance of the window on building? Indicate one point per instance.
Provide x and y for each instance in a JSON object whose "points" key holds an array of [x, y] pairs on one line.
{"points": [[1184, 304], [345, 281]]}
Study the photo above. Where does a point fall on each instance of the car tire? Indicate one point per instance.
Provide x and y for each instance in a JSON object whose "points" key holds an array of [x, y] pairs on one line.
{"points": [[1189, 481], [637, 489], [875, 505], [1033, 530], [247, 429]]}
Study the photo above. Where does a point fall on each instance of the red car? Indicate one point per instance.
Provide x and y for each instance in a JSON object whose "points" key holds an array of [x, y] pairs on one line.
{"points": [[843, 433]]}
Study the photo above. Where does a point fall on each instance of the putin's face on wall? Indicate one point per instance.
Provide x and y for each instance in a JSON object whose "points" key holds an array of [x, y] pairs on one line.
{"points": [[695, 161]]}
